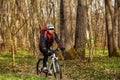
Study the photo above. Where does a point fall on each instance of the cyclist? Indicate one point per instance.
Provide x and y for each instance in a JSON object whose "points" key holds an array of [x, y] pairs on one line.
{"points": [[47, 36]]}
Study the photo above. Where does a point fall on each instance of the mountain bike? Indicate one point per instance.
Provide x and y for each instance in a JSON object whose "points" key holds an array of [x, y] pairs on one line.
{"points": [[52, 65]]}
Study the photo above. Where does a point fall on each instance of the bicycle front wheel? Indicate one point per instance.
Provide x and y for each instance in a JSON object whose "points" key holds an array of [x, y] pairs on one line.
{"points": [[57, 70]]}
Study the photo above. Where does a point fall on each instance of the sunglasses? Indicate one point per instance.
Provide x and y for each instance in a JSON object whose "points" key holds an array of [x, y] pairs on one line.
{"points": [[51, 29]]}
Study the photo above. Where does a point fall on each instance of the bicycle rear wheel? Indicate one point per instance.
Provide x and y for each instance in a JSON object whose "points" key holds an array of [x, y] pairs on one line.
{"points": [[57, 70], [39, 67]]}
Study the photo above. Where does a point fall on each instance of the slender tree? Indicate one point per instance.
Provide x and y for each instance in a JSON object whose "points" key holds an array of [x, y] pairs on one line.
{"points": [[62, 22], [118, 4], [90, 35]]}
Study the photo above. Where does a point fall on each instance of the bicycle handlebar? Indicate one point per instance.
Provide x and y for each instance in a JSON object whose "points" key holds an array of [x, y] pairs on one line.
{"points": [[57, 49]]}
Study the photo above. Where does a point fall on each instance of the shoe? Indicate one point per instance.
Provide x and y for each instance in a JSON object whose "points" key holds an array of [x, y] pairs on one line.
{"points": [[45, 69]]}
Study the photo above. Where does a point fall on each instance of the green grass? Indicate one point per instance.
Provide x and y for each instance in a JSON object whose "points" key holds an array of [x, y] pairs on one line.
{"points": [[19, 77], [101, 68], [98, 53]]}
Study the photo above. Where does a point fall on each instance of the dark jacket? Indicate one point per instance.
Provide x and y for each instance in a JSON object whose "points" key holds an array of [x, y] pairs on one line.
{"points": [[47, 39]]}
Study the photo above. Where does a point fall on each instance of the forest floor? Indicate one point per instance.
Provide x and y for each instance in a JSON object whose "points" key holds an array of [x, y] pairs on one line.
{"points": [[101, 68]]}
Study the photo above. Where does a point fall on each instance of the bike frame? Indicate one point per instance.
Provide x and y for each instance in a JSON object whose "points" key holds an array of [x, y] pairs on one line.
{"points": [[52, 64]]}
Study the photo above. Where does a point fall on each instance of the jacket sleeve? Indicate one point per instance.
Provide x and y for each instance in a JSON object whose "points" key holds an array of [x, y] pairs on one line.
{"points": [[43, 41], [58, 41]]}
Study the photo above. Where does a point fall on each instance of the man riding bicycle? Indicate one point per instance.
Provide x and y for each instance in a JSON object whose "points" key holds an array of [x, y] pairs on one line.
{"points": [[47, 37]]}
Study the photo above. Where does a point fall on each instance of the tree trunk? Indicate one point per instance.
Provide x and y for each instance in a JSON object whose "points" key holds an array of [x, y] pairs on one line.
{"points": [[115, 29], [119, 23], [68, 26], [62, 27], [109, 27], [11, 29], [12, 40], [66, 30], [81, 25], [90, 36], [112, 27]]}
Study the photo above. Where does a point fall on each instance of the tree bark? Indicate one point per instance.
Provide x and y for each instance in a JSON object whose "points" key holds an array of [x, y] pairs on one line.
{"points": [[68, 26], [62, 26], [81, 25], [118, 23], [115, 28], [90, 36], [109, 27], [112, 27]]}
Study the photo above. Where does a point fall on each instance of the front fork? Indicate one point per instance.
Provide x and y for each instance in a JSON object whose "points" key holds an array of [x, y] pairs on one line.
{"points": [[53, 62], [52, 65]]}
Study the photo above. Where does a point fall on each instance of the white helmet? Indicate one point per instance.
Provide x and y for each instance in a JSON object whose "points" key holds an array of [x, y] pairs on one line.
{"points": [[50, 27]]}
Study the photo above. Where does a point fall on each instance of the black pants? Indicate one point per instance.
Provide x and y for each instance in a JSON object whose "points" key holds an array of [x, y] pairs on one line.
{"points": [[45, 59]]}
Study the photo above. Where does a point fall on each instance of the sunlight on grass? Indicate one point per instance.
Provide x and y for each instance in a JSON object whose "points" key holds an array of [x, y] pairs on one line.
{"points": [[22, 54], [98, 53]]}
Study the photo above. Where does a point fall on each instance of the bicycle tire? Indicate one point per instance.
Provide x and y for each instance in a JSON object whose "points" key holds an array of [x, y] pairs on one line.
{"points": [[58, 72], [39, 68]]}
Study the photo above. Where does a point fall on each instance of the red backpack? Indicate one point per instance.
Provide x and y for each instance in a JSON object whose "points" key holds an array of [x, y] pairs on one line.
{"points": [[44, 28]]}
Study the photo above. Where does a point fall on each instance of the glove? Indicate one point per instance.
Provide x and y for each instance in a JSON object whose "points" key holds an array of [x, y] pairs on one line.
{"points": [[62, 49], [50, 52]]}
